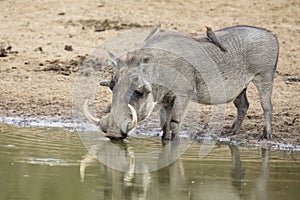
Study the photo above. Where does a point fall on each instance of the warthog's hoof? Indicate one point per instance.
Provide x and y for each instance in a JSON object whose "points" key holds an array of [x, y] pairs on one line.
{"points": [[229, 132], [265, 136], [170, 137], [165, 138]]}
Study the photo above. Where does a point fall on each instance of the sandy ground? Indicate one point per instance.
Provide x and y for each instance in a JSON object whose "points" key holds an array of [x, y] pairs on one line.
{"points": [[44, 42]]}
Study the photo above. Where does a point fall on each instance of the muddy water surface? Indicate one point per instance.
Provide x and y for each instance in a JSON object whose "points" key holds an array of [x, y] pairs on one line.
{"points": [[41, 163]]}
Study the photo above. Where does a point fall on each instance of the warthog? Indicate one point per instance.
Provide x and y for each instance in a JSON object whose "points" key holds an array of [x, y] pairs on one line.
{"points": [[171, 69]]}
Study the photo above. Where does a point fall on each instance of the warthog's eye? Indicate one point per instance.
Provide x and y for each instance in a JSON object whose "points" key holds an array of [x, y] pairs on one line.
{"points": [[146, 60], [135, 78]]}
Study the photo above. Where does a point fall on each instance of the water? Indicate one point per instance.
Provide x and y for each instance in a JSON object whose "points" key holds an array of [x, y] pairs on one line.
{"points": [[41, 163]]}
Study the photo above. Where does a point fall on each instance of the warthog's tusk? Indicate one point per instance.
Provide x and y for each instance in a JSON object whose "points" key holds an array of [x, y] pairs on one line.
{"points": [[88, 114], [134, 117]]}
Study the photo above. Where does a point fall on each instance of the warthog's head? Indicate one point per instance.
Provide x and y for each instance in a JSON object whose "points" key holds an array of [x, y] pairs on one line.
{"points": [[132, 99]]}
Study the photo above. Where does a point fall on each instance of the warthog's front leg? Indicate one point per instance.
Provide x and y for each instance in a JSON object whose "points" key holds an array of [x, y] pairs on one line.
{"points": [[170, 125], [165, 120], [170, 116], [174, 126]]}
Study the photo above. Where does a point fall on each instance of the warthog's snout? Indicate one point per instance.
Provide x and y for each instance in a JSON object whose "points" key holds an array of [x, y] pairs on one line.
{"points": [[107, 123]]}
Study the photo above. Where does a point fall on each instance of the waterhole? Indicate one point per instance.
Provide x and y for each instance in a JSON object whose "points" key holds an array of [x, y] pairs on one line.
{"points": [[52, 163]]}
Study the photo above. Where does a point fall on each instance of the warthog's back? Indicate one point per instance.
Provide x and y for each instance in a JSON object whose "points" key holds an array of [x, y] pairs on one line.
{"points": [[221, 76]]}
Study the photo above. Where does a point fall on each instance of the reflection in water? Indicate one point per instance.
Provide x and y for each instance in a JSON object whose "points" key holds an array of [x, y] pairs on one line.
{"points": [[259, 191], [48, 164], [260, 185], [238, 172], [149, 185], [130, 180]]}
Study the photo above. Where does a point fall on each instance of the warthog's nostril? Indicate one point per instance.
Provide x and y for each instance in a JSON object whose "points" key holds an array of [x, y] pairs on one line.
{"points": [[135, 78]]}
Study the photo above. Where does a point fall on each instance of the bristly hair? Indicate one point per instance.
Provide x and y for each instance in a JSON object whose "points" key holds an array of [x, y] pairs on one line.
{"points": [[245, 26], [130, 59]]}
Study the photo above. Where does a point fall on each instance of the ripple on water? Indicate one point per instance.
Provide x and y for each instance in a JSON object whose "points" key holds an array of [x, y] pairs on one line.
{"points": [[41, 146], [49, 161]]}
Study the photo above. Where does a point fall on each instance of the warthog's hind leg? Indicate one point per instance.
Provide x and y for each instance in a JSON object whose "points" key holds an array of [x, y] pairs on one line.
{"points": [[264, 86], [242, 105]]}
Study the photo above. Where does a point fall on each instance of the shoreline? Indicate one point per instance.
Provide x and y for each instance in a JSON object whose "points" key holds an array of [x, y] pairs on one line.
{"points": [[73, 126]]}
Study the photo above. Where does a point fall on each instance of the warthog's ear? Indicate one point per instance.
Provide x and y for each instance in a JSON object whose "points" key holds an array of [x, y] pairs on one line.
{"points": [[105, 83], [115, 60], [152, 33]]}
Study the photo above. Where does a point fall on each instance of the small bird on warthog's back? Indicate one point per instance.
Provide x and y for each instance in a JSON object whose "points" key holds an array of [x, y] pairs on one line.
{"points": [[213, 38]]}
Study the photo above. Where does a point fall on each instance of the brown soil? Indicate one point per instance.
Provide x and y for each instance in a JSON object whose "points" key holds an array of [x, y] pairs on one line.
{"points": [[42, 44]]}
